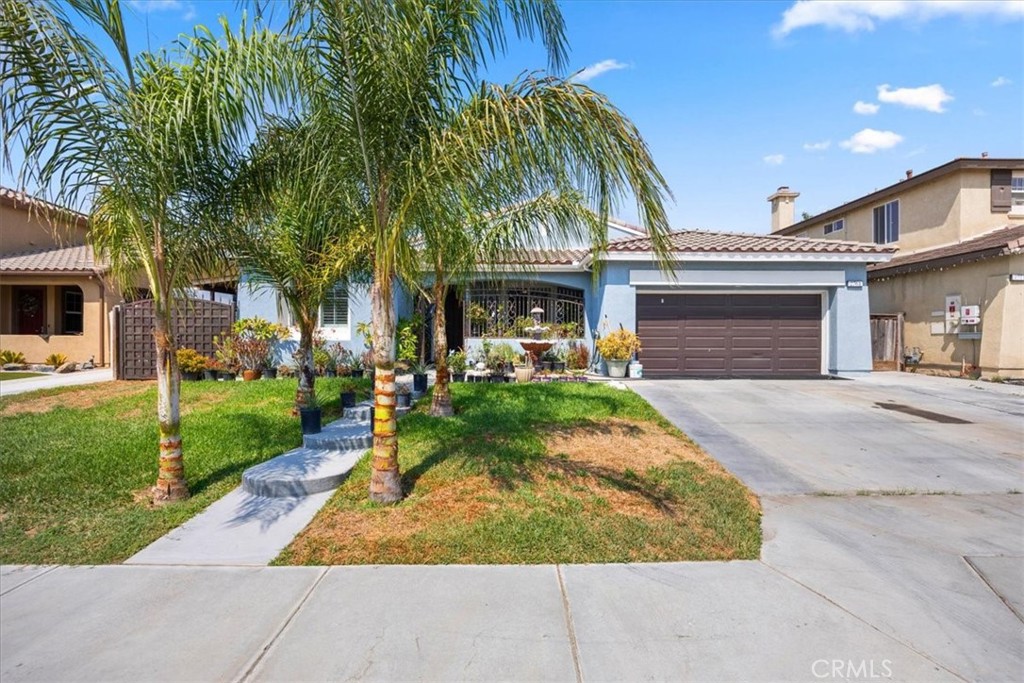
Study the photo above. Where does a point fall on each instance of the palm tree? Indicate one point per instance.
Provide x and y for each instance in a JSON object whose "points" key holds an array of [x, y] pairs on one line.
{"points": [[290, 227], [144, 140], [416, 130], [457, 253]]}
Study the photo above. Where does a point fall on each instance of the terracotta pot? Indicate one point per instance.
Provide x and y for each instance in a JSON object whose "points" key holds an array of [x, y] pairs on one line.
{"points": [[250, 375]]}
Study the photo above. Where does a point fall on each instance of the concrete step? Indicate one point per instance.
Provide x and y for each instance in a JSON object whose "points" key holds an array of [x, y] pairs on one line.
{"points": [[300, 472], [361, 413], [341, 435]]}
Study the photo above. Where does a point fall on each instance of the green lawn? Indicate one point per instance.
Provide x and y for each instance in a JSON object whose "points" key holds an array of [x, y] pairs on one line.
{"points": [[76, 463], [536, 474], [19, 375]]}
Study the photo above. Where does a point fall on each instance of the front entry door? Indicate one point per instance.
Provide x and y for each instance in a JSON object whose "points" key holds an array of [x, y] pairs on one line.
{"points": [[29, 310]]}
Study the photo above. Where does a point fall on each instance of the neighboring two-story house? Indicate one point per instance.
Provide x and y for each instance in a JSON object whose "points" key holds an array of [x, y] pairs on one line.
{"points": [[959, 230], [54, 294]]}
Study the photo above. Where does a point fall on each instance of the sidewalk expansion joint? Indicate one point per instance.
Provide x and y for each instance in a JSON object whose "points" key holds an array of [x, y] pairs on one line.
{"points": [[250, 670], [570, 627], [28, 581], [867, 623]]}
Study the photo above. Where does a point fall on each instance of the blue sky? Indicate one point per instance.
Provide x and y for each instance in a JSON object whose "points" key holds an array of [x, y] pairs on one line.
{"points": [[735, 99]]}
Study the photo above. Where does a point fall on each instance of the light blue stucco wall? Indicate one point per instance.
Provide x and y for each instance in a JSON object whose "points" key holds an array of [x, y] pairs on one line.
{"points": [[610, 300], [847, 327], [260, 300]]}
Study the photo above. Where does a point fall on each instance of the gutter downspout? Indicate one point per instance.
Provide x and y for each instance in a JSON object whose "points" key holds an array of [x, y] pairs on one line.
{"points": [[103, 320]]}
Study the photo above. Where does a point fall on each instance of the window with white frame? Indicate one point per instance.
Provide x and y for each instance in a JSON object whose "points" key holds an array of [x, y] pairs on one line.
{"points": [[886, 222], [1017, 192], [334, 311], [835, 226]]}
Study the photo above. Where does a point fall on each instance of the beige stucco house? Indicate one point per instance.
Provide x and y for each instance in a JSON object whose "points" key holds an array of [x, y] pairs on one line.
{"points": [[54, 294], [959, 229]]}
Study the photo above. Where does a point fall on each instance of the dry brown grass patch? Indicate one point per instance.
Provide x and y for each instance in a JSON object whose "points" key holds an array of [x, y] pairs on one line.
{"points": [[86, 396]]}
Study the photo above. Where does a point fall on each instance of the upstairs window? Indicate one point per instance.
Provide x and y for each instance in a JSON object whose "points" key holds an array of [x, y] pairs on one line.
{"points": [[334, 311], [835, 226], [886, 223]]}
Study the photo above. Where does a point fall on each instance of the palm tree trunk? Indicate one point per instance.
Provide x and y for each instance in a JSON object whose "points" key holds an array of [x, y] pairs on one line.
{"points": [[170, 481], [385, 478], [307, 375], [441, 403]]}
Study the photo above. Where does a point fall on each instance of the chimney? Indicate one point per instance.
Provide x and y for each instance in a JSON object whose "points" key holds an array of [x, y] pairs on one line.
{"points": [[783, 208], [910, 173]]}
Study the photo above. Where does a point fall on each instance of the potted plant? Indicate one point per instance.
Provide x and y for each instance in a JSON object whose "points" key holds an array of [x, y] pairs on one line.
{"points": [[368, 367], [226, 356], [321, 359], [211, 369], [348, 392], [355, 367], [457, 365], [617, 349], [419, 376], [191, 363], [577, 357], [403, 397], [524, 370], [559, 354], [269, 369], [311, 415]]}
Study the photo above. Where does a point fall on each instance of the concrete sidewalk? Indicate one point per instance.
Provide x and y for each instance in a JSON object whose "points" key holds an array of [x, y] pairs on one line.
{"points": [[52, 380], [688, 621]]}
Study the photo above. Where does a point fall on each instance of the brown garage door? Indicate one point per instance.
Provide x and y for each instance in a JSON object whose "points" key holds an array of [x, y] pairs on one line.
{"points": [[729, 335]]}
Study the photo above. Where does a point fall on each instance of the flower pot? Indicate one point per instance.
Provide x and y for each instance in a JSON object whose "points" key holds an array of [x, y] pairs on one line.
{"points": [[458, 377], [348, 399], [226, 376], [558, 366], [310, 419], [330, 373], [524, 375], [210, 374], [190, 376], [617, 368], [545, 365], [419, 383], [250, 375], [497, 379], [270, 373], [403, 400], [357, 374]]}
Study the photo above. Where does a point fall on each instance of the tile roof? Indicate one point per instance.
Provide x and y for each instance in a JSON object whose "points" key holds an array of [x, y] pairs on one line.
{"points": [[701, 241], [1006, 240], [74, 259], [545, 257], [21, 200]]}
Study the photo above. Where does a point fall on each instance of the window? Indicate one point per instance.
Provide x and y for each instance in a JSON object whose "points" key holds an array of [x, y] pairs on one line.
{"points": [[835, 226], [72, 306], [503, 309], [1017, 193], [334, 311], [887, 223]]}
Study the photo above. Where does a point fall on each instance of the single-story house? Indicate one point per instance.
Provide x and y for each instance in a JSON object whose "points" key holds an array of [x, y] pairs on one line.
{"points": [[732, 305]]}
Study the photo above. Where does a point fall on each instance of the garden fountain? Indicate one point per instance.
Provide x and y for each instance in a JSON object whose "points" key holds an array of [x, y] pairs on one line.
{"points": [[536, 347]]}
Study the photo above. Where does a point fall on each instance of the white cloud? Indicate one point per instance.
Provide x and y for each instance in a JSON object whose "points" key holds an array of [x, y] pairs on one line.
{"points": [[869, 141], [978, 111], [595, 70], [864, 15], [1001, 81], [817, 146], [865, 108], [774, 159], [927, 97], [147, 6]]}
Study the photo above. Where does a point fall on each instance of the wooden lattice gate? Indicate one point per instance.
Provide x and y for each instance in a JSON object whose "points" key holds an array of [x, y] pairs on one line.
{"points": [[196, 323]]}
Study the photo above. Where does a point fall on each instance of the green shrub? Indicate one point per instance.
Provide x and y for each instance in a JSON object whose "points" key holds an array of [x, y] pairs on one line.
{"points": [[8, 356]]}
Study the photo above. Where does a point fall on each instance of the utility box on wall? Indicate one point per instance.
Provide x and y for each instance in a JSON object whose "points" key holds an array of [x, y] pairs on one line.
{"points": [[952, 310], [970, 315]]}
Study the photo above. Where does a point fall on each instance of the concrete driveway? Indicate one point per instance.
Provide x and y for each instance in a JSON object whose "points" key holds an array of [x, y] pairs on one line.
{"points": [[895, 497]]}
